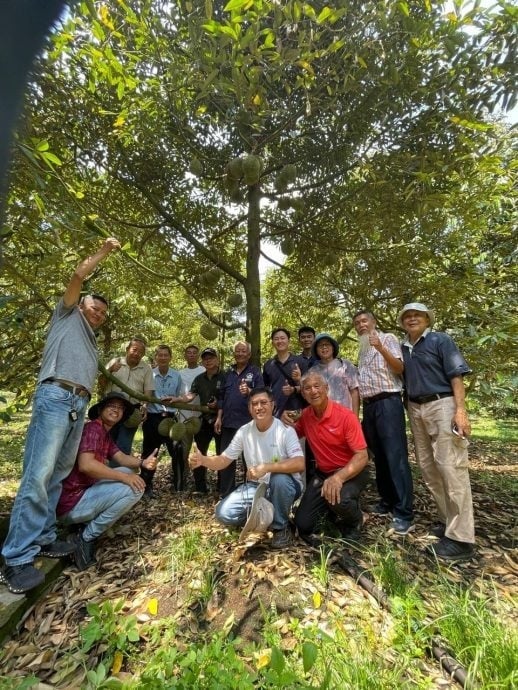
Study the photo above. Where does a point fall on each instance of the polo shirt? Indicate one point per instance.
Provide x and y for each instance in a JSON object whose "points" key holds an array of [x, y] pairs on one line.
{"points": [[165, 385], [431, 363], [139, 378], [275, 373], [206, 388], [230, 400], [97, 440], [374, 374], [334, 438]]}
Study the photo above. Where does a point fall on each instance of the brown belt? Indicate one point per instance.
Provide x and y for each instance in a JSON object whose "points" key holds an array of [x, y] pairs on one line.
{"points": [[75, 390]]}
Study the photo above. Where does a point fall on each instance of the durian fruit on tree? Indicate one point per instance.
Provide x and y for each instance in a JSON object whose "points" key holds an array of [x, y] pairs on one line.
{"points": [[196, 167], [211, 277], [208, 331], [235, 168], [193, 425], [165, 426], [134, 419], [252, 168], [178, 431], [235, 300], [285, 177], [287, 246]]}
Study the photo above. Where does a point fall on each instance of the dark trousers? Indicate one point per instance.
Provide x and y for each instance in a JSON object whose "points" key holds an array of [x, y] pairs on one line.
{"points": [[384, 428], [202, 440], [314, 506], [227, 477], [151, 440]]}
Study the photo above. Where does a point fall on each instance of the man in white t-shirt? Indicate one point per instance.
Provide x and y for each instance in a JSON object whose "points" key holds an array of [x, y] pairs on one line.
{"points": [[188, 374], [274, 457]]}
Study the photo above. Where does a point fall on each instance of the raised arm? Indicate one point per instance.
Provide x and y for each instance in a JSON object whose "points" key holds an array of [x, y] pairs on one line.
{"points": [[73, 291]]}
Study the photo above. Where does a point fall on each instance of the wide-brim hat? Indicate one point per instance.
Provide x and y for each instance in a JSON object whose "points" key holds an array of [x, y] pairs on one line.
{"points": [[416, 306], [325, 336], [261, 513], [95, 410]]}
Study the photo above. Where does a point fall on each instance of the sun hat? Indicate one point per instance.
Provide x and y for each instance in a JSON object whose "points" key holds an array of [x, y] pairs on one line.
{"points": [[416, 306], [325, 336], [261, 513], [95, 410]]}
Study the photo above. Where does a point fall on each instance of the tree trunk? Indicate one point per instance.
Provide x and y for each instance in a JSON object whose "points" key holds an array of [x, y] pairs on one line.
{"points": [[253, 283]]}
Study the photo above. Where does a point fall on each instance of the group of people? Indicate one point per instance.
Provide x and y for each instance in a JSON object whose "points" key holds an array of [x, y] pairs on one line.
{"points": [[86, 475]]}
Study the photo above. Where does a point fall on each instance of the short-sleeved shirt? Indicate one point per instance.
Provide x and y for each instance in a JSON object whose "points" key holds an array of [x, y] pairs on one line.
{"points": [[341, 376], [188, 374], [275, 373], [168, 384], [334, 438], [431, 363], [277, 443], [70, 351], [139, 378], [95, 439], [374, 374], [231, 401], [207, 388]]}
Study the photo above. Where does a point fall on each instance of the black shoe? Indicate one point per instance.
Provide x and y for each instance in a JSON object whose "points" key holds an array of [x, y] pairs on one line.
{"points": [[312, 540], [381, 509], [84, 553], [351, 533], [149, 494], [21, 578], [58, 549], [450, 550], [282, 538], [438, 530]]}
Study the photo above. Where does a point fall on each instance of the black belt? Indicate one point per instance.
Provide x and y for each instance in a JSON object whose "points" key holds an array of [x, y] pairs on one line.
{"points": [[380, 396], [423, 399], [76, 390], [161, 414]]}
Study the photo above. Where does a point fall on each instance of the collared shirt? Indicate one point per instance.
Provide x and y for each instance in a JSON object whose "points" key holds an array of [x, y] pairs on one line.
{"points": [[97, 440], [166, 384], [374, 373], [334, 438], [275, 373], [430, 364], [341, 376], [207, 388], [139, 378], [310, 359], [231, 401], [277, 443], [188, 374]]}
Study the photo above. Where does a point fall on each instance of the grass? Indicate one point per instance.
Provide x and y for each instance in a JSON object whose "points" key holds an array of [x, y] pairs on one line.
{"points": [[498, 430]]}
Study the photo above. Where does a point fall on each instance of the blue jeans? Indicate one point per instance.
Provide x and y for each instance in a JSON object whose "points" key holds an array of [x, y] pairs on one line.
{"points": [[102, 505], [283, 491], [384, 428], [50, 452]]}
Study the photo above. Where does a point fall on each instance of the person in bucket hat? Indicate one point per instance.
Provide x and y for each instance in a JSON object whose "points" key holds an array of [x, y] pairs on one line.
{"points": [[94, 494], [434, 387], [274, 461]]}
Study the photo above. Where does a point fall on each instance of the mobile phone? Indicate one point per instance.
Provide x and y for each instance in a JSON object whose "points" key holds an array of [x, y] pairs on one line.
{"points": [[455, 430]]}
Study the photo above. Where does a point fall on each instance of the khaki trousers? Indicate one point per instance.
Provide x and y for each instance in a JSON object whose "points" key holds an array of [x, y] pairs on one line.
{"points": [[443, 459]]}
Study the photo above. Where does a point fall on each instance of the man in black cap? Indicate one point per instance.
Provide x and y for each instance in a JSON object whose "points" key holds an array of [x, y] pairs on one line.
{"points": [[207, 386], [95, 494]]}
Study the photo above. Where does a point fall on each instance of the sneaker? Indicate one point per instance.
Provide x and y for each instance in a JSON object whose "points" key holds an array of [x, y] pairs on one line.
{"points": [[21, 578], [450, 550], [381, 509], [401, 526], [438, 530], [84, 553], [281, 538], [58, 549]]}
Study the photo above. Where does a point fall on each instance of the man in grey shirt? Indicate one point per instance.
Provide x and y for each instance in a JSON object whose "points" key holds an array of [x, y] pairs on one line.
{"points": [[65, 383]]}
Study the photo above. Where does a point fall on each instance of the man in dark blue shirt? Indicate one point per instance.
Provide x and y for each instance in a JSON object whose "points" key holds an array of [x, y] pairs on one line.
{"points": [[283, 372], [433, 373]]}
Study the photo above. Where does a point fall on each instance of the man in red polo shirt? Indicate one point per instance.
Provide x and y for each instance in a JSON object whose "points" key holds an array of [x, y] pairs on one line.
{"points": [[337, 440]]}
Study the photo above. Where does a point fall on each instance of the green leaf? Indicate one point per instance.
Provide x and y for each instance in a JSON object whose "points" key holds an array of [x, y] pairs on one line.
{"points": [[309, 655], [277, 661]]}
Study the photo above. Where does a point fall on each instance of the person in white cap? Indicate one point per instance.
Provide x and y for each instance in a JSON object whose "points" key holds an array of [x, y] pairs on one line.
{"points": [[274, 458], [434, 369]]}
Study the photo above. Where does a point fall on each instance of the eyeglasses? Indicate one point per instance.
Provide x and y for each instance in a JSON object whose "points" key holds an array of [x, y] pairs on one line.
{"points": [[114, 406], [260, 403]]}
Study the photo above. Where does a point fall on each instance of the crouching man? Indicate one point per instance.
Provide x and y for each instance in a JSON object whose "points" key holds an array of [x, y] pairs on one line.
{"points": [[340, 450], [95, 494], [274, 458]]}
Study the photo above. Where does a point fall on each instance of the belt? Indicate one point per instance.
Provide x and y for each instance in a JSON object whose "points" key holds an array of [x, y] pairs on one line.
{"points": [[423, 399], [161, 414], [76, 390], [380, 396]]}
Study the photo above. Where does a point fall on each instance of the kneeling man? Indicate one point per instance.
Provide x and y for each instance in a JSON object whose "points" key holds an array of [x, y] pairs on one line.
{"points": [[274, 457], [340, 450], [95, 494]]}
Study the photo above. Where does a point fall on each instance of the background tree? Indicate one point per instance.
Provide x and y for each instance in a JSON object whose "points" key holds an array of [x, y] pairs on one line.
{"points": [[342, 133]]}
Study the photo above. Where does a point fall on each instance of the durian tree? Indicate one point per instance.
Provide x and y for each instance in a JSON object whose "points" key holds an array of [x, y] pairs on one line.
{"points": [[194, 131]]}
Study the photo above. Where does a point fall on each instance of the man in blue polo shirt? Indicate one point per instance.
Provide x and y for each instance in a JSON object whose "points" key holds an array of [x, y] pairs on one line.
{"points": [[433, 373], [282, 373]]}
